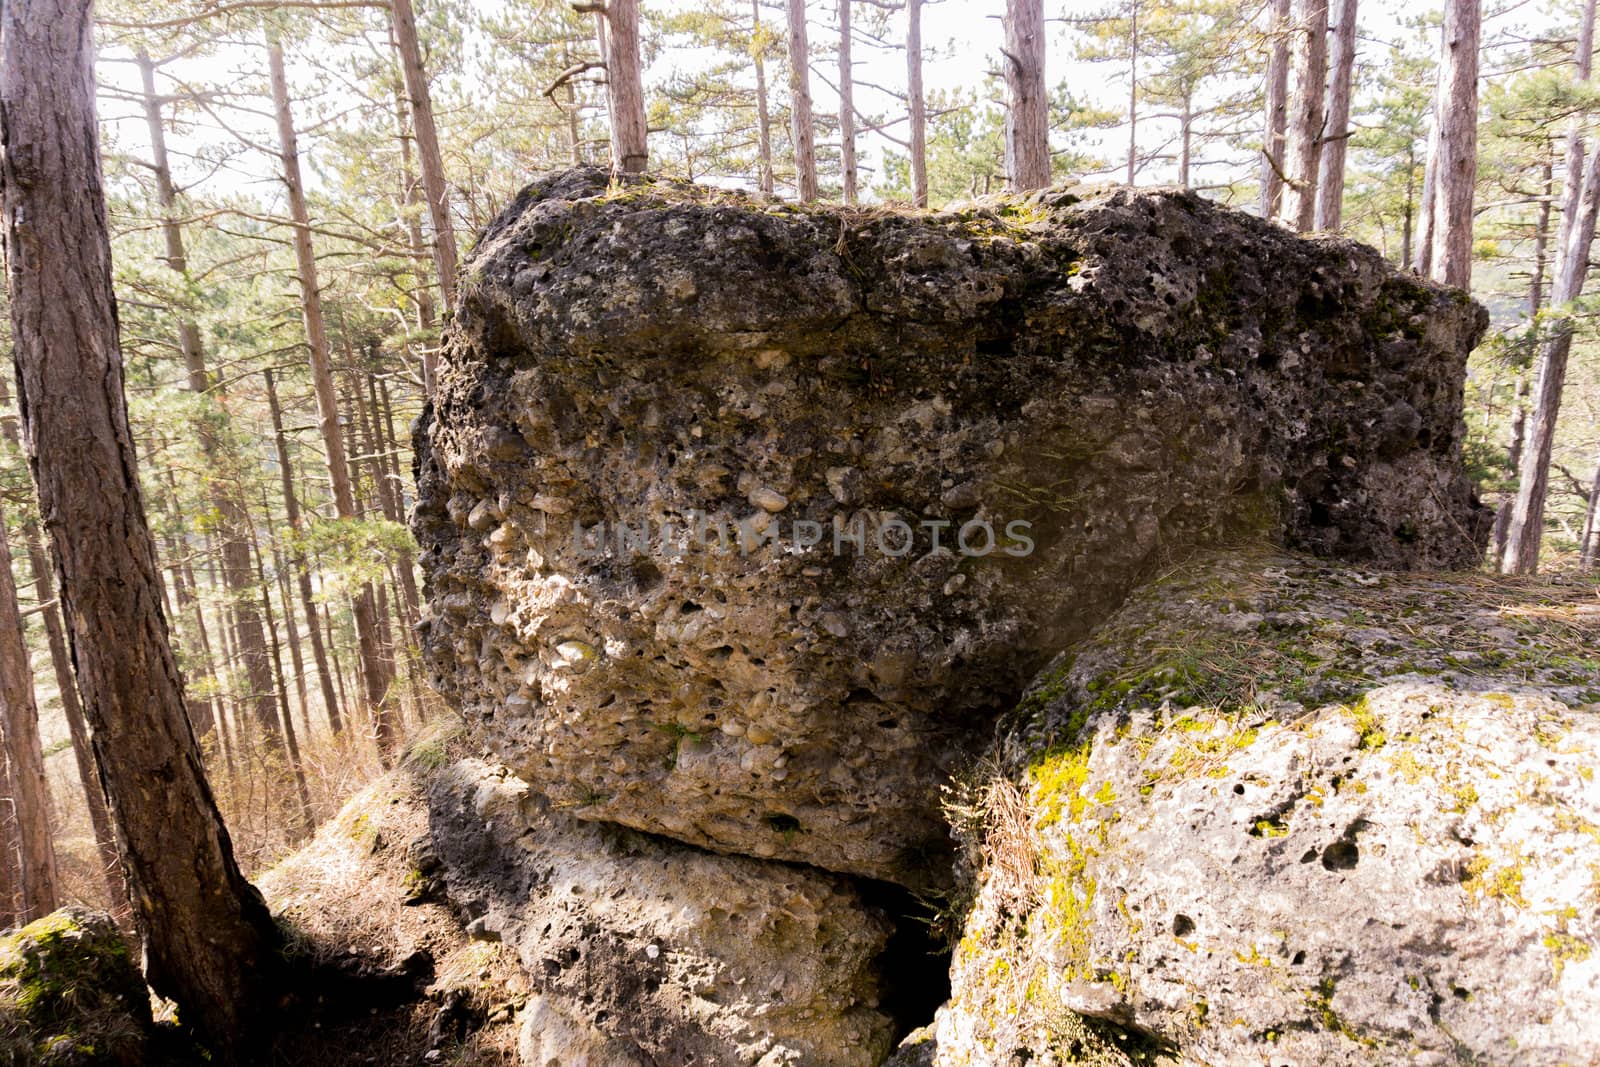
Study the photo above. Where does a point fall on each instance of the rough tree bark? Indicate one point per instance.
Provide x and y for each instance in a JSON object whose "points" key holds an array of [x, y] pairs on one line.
{"points": [[1341, 75], [847, 107], [221, 481], [1526, 530], [1527, 518], [802, 128], [619, 22], [19, 734], [763, 118], [374, 671], [428, 154], [1027, 106], [916, 102], [210, 943], [1455, 164], [1307, 118], [1275, 119]]}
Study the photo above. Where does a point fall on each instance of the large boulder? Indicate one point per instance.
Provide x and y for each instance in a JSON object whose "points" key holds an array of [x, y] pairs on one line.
{"points": [[71, 996], [645, 951], [1125, 374], [1279, 812]]}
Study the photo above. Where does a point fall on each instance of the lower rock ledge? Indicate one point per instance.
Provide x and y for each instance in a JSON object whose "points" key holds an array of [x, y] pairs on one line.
{"points": [[646, 951]]}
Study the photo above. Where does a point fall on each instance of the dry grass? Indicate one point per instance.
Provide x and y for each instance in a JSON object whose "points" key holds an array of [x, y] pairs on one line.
{"points": [[343, 898]]}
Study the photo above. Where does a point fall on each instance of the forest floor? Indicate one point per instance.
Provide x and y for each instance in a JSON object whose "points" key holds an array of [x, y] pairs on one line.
{"points": [[357, 897]]}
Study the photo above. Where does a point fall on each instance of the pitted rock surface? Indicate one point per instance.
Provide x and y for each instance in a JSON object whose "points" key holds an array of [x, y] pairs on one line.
{"points": [[1127, 373], [1281, 811]]}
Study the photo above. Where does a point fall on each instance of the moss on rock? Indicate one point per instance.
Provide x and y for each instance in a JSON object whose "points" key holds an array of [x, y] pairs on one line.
{"points": [[70, 995]]}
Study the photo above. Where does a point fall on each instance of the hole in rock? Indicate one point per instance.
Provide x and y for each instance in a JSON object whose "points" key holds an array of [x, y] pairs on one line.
{"points": [[1182, 925], [1342, 855], [914, 970], [1299, 958]]}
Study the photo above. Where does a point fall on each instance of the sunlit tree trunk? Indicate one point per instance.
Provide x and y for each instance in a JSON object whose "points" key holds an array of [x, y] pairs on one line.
{"points": [[404, 21], [1527, 518], [210, 943], [763, 117], [1341, 76], [847, 106], [1580, 200], [222, 481], [1307, 116], [917, 103], [377, 679], [1455, 164], [618, 25], [1027, 106], [1275, 119], [802, 128]]}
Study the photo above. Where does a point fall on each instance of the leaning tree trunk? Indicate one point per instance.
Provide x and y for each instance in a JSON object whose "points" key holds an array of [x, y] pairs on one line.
{"points": [[210, 943], [847, 107], [1330, 173], [917, 103], [1455, 165], [1275, 122], [1527, 518], [428, 155], [1307, 116], [1027, 106], [802, 129], [19, 732], [222, 482], [374, 670]]}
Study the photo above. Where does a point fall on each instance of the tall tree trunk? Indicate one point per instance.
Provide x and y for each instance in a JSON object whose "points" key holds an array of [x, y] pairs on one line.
{"points": [[411, 198], [1519, 408], [1133, 91], [1527, 519], [1455, 166], [1027, 106], [10, 850], [210, 943], [763, 117], [221, 482], [377, 680], [1330, 174], [433, 182], [801, 128], [301, 573], [296, 768], [624, 87], [1307, 118], [1275, 119], [94, 796], [19, 736], [1583, 60], [847, 107], [1185, 138], [917, 102]]}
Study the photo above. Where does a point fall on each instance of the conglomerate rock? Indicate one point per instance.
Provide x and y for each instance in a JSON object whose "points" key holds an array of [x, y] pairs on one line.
{"points": [[1282, 812], [1120, 374], [646, 951]]}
